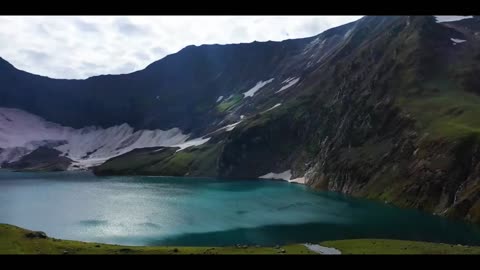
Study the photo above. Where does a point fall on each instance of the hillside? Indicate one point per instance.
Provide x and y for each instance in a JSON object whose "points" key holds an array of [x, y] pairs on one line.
{"points": [[15, 240]]}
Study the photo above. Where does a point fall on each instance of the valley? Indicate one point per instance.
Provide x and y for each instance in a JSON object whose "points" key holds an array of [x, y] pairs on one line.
{"points": [[384, 108]]}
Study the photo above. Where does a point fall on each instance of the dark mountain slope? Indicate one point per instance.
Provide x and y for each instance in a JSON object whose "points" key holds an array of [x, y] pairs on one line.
{"points": [[41, 159], [179, 90]]}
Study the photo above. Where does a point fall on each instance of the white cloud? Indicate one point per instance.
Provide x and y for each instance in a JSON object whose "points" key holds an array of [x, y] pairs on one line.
{"points": [[83, 46], [85, 26]]}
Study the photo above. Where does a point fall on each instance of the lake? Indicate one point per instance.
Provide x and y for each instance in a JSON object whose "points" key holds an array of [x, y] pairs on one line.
{"points": [[141, 210]]}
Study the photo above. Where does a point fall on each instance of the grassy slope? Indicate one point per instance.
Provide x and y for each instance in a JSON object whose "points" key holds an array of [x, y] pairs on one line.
{"points": [[229, 103], [446, 113], [194, 161], [124, 164], [385, 246], [14, 241]]}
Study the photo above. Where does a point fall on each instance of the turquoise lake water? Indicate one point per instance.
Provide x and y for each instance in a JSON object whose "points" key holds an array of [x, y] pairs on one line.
{"points": [[192, 211]]}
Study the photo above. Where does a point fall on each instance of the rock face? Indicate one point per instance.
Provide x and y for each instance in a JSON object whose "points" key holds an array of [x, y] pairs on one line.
{"points": [[41, 159], [385, 108]]}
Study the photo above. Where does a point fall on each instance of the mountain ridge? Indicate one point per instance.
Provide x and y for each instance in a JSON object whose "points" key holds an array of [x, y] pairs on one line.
{"points": [[100, 85]]}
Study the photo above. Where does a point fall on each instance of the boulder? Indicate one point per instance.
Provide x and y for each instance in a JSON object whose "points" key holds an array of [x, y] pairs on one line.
{"points": [[36, 234]]}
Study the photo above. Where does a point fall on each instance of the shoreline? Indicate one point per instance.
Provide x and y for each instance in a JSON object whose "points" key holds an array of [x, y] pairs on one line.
{"points": [[16, 240], [299, 180]]}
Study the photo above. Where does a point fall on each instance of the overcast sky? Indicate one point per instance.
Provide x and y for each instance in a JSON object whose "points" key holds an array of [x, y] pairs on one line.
{"points": [[83, 46]]}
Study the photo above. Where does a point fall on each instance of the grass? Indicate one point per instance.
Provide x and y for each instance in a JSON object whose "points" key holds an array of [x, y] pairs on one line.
{"points": [[135, 160], [229, 103], [445, 113], [386, 246], [194, 161], [13, 240], [176, 165], [197, 160]]}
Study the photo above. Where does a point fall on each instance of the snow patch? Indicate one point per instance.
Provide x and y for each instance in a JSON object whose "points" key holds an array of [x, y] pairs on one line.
{"points": [[289, 84], [231, 126], [288, 79], [86, 163], [22, 132], [298, 180], [219, 99], [312, 44], [322, 250], [256, 88], [455, 41], [273, 107], [193, 142], [286, 175], [242, 116], [441, 19]]}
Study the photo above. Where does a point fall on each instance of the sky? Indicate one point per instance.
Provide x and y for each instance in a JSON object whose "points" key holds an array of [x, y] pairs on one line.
{"points": [[78, 47]]}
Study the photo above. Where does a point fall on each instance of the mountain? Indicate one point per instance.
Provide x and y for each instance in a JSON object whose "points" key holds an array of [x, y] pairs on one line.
{"points": [[180, 90], [385, 108], [22, 132]]}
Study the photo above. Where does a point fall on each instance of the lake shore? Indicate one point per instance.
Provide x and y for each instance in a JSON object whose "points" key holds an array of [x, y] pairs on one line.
{"points": [[16, 240], [170, 211]]}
